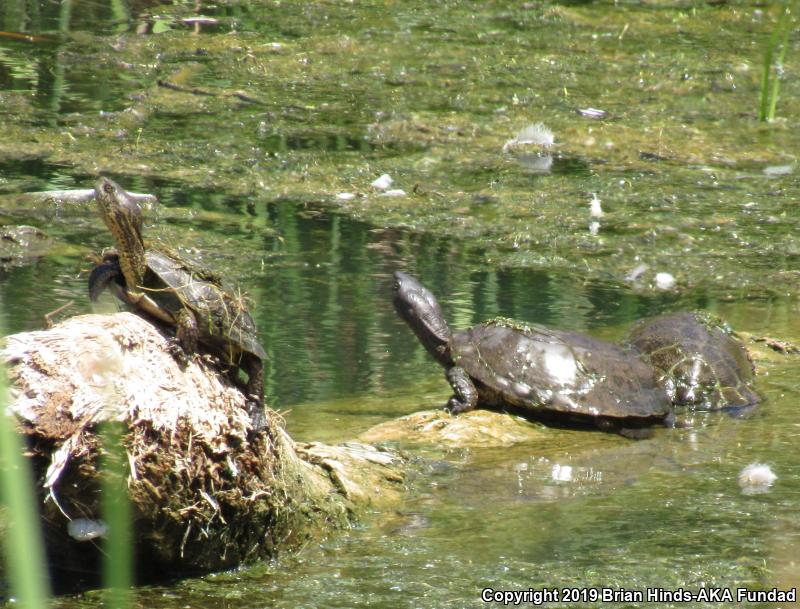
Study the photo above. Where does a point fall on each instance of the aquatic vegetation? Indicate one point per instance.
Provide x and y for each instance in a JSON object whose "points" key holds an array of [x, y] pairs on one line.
{"points": [[773, 70], [116, 510], [24, 550]]}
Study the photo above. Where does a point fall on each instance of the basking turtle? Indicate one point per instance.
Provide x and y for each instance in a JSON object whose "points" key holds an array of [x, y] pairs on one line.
{"points": [[179, 293], [534, 370], [697, 359]]}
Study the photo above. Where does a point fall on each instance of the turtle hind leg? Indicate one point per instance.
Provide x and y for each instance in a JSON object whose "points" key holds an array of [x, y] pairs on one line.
{"points": [[254, 391], [183, 345], [187, 332], [465, 395]]}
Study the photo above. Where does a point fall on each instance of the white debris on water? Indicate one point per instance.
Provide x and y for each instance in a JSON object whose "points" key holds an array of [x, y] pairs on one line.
{"points": [[532, 135], [84, 529], [383, 182], [756, 478], [592, 112], [394, 192], [345, 196], [665, 281], [595, 209], [778, 170], [637, 272], [561, 473]]}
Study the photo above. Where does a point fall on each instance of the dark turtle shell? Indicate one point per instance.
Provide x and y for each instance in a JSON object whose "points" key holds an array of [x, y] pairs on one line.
{"points": [[174, 284], [222, 320], [542, 371], [697, 359]]}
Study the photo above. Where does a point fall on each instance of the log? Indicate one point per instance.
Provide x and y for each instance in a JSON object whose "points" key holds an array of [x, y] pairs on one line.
{"points": [[207, 493], [79, 196]]}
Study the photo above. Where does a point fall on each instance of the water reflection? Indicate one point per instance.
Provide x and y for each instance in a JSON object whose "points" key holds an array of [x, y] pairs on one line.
{"points": [[320, 287]]}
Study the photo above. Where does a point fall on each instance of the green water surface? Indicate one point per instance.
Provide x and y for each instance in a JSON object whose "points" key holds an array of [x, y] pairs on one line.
{"points": [[309, 100]]}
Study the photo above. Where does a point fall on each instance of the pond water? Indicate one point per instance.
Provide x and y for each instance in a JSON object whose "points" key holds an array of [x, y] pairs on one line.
{"points": [[690, 184]]}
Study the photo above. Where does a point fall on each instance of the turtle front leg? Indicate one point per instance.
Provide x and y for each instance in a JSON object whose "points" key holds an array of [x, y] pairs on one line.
{"points": [[465, 395]]}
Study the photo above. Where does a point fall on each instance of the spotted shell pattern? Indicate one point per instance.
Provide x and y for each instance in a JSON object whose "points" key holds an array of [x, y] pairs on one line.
{"points": [[697, 359], [539, 369]]}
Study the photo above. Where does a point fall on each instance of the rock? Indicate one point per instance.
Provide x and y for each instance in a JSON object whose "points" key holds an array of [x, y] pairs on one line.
{"points": [[476, 428]]}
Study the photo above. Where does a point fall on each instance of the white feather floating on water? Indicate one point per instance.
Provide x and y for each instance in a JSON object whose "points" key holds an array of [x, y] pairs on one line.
{"points": [[383, 182], [756, 478], [665, 281], [533, 135], [595, 210]]}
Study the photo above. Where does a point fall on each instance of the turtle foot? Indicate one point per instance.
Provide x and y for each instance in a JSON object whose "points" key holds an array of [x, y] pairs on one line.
{"points": [[177, 352], [455, 406], [258, 416]]}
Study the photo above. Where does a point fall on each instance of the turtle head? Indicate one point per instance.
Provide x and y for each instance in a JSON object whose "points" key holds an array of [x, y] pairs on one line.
{"points": [[118, 209], [419, 309], [123, 217]]}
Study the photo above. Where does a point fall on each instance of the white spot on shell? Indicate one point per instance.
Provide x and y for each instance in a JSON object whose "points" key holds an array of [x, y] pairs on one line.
{"points": [[522, 389], [560, 365], [502, 382]]}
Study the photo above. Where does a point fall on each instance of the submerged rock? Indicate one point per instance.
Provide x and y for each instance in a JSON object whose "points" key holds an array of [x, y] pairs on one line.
{"points": [[477, 428]]}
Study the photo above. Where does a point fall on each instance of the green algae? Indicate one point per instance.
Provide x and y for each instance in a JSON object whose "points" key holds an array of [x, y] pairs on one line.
{"points": [[346, 93]]}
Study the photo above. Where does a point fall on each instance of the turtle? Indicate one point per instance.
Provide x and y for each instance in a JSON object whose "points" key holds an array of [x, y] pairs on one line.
{"points": [[538, 372], [179, 293], [697, 359]]}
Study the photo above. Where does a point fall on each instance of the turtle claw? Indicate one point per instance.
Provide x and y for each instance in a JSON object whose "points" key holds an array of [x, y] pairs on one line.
{"points": [[177, 352], [455, 406]]}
